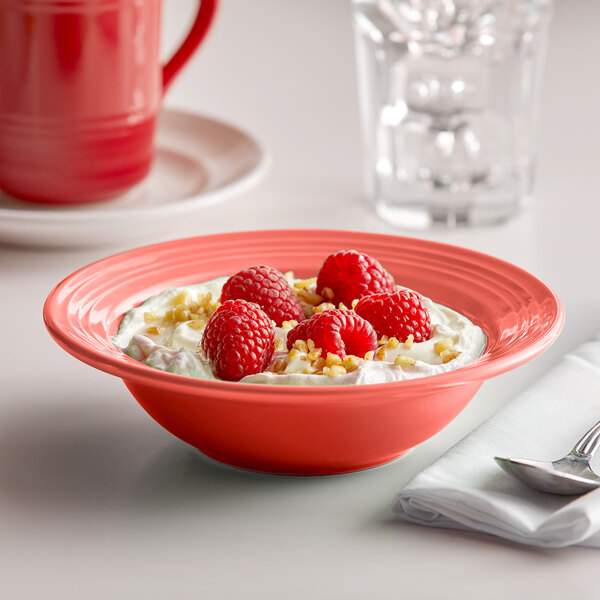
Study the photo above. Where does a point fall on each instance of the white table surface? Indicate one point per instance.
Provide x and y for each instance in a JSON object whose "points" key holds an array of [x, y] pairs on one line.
{"points": [[97, 501]]}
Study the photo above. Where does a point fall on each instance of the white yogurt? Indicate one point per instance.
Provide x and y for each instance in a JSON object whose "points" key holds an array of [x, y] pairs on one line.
{"points": [[176, 348]]}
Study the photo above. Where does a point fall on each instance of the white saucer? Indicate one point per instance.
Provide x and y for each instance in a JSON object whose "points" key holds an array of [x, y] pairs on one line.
{"points": [[199, 161]]}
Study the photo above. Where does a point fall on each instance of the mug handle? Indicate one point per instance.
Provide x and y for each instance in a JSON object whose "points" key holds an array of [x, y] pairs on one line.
{"points": [[204, 18]]}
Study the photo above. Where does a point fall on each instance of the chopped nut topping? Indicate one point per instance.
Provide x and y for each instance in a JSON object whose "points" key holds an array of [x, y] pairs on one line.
{"points": [[350, 359], [408, 344], [289, 324], [314, 354], [311, 346], [280, 365], [206, 303], [150, 317], [183, 297], [327, 292], [301, 345], [323, 307], [351, 363], [393, 342], [383, 340], [443, 345], [279, 344], [332, 359], [293, 353], [404, 361], [342, 306], [369, 355], [185, 309], [381, 353], [334, 371], [304, 283], [308, 297], [449, 354], [319, 363], [354, 303], [197, 324], [181, 312], [152, 330], [310, 362]]}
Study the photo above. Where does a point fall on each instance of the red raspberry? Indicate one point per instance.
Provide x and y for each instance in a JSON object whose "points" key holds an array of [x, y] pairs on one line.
{"points": [[268, 288], [298, 333], [352, 275], [239, 340], [340, 332], [397, 314]]}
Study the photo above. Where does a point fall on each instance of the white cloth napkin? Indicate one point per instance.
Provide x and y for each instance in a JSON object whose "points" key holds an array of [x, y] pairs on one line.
{"points": [[465, 489]]}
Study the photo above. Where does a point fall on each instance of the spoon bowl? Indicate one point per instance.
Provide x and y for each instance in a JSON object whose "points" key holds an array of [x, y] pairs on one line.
{"points": [[571, 475], [565, 476]]}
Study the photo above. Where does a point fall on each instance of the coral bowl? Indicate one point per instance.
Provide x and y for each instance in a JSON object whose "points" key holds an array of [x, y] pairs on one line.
{"points": [[296, 429]]}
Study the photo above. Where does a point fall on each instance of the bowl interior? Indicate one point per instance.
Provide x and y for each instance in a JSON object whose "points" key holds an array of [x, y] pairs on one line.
{"points": [[519, 314]]}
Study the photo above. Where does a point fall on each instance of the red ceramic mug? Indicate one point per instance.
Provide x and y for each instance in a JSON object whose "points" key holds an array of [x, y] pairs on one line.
{"points": [[81, 86]]}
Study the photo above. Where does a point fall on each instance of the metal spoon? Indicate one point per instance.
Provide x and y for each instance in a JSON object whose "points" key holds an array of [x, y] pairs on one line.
{"points": [[567, 476]]}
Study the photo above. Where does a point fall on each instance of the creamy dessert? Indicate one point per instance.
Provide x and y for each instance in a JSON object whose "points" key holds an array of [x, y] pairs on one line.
{"points": [[166, 332]]}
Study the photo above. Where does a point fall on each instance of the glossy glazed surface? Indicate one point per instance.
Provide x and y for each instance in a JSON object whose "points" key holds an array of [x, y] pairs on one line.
{"points": [[81, 85], [199, 161], [298, 429]]}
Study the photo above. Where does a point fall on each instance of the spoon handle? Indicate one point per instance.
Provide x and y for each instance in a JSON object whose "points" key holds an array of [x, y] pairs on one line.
{"points": [[588, 444]]}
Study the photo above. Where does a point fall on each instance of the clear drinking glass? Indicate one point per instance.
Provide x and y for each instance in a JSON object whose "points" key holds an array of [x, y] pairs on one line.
{"points": [[450, 99]]}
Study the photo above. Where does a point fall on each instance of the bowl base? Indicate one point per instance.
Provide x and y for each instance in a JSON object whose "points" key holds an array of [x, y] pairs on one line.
{"points": [[299, 470]]}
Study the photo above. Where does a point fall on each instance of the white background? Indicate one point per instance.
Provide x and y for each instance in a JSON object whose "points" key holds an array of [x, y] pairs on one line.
{"points": [[97, 501]]}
